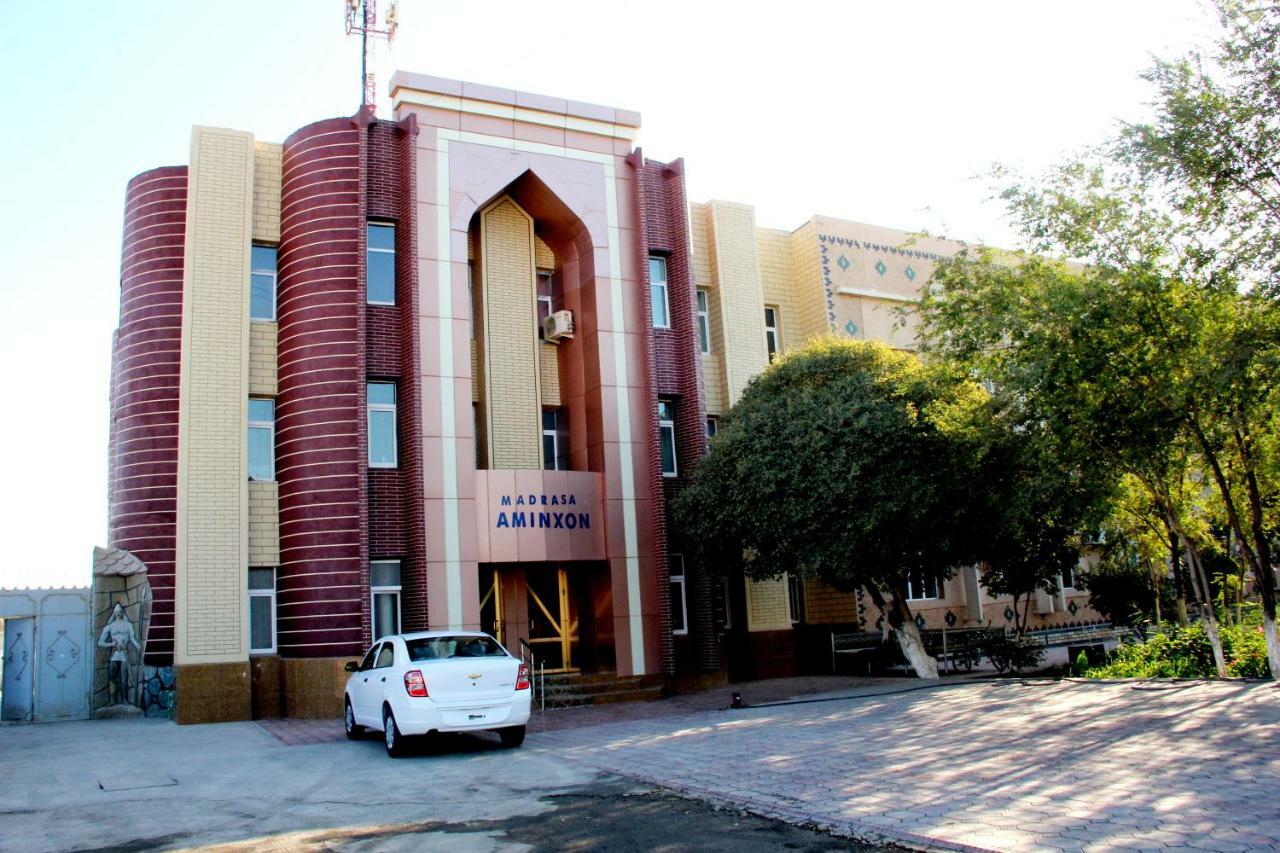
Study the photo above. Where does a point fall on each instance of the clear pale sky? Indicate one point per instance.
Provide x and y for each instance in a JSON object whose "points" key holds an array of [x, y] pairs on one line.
{"points": [[877, 112]]}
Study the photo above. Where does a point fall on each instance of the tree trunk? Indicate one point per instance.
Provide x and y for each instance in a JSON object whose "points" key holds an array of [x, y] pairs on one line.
{"points": [[1179, 579], [906, 631], [1205, 599]]}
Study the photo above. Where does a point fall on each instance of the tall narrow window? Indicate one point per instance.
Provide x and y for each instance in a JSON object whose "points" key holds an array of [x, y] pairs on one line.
{"points": [[679, 602], [667, 436], [262, 439], [262, 283], [1069, 578], [922, 586], [555, 440], [380, 268], [704, 324], [771, 332], [545, 302], [713, 426], [658, 291], [262, 611], [795, 598], [384, 595], [382, 424]]}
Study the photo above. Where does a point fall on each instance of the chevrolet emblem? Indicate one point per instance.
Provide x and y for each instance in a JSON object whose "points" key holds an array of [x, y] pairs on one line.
{"points": [[474, 675]]}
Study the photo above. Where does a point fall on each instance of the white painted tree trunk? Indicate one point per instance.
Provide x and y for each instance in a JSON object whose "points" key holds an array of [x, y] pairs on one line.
{"points": [[1273, 642], [912, 645]]}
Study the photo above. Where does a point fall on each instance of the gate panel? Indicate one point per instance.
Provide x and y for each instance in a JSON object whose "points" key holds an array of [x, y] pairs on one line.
{"points": [[63, 691], [19, 669]]}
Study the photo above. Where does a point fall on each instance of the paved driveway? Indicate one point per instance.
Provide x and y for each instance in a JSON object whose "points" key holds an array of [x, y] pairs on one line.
{"points": [[1011, 766]]}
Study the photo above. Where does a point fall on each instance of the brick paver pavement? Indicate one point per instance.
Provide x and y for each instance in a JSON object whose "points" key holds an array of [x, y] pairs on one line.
{"points": [[1004, 765]]}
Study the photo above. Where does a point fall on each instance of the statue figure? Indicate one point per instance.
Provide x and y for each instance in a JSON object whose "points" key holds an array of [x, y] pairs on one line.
{"points": [[118, 635]]}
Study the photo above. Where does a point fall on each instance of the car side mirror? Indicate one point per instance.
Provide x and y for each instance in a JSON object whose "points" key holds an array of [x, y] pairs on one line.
{"points": [[351, 666]]}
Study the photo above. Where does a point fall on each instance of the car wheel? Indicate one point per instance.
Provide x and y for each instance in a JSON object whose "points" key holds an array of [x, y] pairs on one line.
{"points": [[512, 737], [349, 722], [391, 737]]}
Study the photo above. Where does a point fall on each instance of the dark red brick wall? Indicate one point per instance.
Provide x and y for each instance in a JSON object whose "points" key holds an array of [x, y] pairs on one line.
{"points": [[320, 405], [395, 505], [142, 448], [677, 376]]}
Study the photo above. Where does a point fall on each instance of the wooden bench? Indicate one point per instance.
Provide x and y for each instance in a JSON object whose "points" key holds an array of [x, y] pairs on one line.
{"points": [[863, 646]]}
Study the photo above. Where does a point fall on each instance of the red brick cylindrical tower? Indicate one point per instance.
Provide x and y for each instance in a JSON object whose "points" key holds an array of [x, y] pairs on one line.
{"points": [[146, 360], [319, 408]]}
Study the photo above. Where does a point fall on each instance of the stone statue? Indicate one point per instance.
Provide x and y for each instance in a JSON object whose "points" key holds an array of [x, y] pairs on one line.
{"points": [[118, 636]]}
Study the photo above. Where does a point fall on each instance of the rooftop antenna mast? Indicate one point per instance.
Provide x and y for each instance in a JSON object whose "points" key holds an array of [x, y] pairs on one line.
{"points": [[362, 18]]}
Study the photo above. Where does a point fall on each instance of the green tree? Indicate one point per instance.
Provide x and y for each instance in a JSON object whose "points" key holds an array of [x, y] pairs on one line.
{"points": [[850, 462]]}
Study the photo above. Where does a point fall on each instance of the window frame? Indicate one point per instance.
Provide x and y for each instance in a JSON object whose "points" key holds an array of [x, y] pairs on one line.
{"points": [[703, 298], [396, 591], [540, 277], [559, 435], [275, 282], [1067, 578], [654, 286], [771, 333], [393, 408], [713, 426], [795, 598], [270, 427], [369, 249], [268, 594], [674, 578], [924, 582], [668, 424]]}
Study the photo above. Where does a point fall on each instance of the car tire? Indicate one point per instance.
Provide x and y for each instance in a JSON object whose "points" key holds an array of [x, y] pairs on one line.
{"points": [[392, 739], [354, 731], [512, 736]]}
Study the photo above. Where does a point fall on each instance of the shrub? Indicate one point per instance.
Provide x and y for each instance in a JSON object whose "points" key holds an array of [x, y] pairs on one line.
{"points": [[1185, 653]]}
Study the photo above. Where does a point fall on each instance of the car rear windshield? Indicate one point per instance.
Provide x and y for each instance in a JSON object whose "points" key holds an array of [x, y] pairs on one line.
{"points": [[436, 648]]}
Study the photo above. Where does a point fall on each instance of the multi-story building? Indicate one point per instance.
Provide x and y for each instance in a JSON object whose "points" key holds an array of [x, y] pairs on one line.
{"points": [[447, 371]]}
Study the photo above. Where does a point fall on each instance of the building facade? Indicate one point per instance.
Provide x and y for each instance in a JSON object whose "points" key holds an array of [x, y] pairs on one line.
{"points": [[448, 371]]}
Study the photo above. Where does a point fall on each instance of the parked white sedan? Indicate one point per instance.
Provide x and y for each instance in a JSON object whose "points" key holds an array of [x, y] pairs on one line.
{"points": [[437, 681]]}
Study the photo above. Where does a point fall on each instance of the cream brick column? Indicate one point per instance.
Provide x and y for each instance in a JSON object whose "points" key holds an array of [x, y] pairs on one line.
{"points": [[212, 528], [738, 293], [513, 407]]}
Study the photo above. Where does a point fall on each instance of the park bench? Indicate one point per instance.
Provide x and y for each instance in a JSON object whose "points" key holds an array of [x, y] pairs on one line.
{"points": [[861, 646]]}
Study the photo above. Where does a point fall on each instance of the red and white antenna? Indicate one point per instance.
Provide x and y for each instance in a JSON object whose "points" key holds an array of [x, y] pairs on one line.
{"points": [[362, 18]]}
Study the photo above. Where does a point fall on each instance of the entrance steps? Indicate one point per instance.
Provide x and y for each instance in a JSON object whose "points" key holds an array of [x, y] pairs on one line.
{"points": [[572, 689]]}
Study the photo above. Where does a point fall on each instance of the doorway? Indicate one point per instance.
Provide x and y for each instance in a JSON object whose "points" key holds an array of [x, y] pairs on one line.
{"points": [[553, 619]]}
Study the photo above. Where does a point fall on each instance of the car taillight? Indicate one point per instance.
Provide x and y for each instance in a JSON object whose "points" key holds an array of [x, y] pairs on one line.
{"points": [[522, 678], [414, 684]]}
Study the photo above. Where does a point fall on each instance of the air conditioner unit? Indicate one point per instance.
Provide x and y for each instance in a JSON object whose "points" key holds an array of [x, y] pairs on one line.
{"points": [[557, 325]]}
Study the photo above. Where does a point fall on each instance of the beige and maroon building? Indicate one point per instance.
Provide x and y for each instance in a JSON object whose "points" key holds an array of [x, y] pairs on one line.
{"points": [[447, 371]]}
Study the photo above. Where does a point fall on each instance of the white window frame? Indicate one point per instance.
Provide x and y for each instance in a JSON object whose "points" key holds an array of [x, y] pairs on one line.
{"points": [[713, 426], [392, 252], [668, 424], [728, 603], [559, 439], [548, 299], [937, 590], [657, 286], [677, 576], [270, 427], [395, 435], [275, 283], [375, 591], [270, 594], [1068, 578], [771, 332], [704, 321], [795, 598]]}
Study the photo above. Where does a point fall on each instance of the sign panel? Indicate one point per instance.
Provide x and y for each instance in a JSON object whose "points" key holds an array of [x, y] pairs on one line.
{"points": [[539, 516]]}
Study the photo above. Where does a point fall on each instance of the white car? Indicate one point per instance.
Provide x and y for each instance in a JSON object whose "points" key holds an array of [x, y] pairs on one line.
{"points": [[437, 681]]}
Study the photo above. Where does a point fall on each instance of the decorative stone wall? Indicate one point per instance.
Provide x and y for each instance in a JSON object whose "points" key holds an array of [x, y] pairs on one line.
{"points": [[157, 691]]}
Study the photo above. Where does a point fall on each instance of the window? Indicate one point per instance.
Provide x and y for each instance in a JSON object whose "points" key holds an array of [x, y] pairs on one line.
{"points": [[380, 265], [369, 658], [679, 605], [262, 611], [795, 597], [555, 440], [545, 303], [386, 656], [771, 332], [667, 437], [1069, 578], [262, 283], [382, 424], [704, 324], [713, 426], [724, 606], [658, 291], [262, 440], [384, 583], [921, 586]]}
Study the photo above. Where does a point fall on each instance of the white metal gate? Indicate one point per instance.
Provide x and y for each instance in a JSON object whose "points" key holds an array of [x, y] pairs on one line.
{"points": [[19, 672], [47, 654]]}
